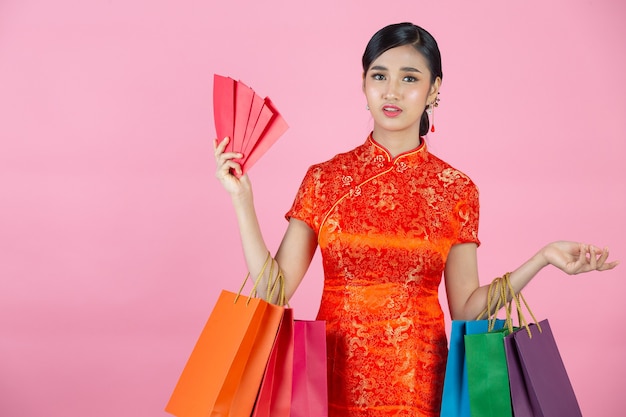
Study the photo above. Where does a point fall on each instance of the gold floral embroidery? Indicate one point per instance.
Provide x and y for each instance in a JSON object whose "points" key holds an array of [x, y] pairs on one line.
{"points": [[402, 166], [449, 175], [383, 255]]}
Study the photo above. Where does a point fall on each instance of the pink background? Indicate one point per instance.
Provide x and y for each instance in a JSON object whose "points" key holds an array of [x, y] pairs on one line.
{"points": [[115, 238]]}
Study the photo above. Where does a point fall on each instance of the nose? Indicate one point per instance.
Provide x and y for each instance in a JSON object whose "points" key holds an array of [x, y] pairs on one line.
{"points": [[392, 91]]}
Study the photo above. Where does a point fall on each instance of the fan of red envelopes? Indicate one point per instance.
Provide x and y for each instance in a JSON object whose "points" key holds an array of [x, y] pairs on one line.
{"points": [[252, 123]]}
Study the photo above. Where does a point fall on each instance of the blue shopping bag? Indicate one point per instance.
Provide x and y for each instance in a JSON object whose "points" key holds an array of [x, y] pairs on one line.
{"points": [[455, 399]]}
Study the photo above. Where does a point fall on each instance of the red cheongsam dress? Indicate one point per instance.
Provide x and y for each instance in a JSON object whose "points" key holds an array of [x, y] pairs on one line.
{"points": [[385, 226]]}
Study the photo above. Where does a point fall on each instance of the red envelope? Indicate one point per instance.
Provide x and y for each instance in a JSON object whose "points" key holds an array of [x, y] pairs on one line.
{"points": [[257, 107], [252, 123], [224, 107], [243, 103], [265, 117], [274, 129]]}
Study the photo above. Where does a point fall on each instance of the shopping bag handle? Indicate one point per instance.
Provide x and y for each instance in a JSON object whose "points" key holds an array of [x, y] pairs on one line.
{"points": [[502, 288], [495, 295], [518, 299], [277, 284]]}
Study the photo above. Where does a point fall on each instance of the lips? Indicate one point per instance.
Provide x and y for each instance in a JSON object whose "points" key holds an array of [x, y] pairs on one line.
{"points": [[390, 110]]}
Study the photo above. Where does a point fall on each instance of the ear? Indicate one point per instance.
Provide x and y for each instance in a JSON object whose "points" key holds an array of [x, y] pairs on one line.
{"points": [[434, 90], [363, 84]]}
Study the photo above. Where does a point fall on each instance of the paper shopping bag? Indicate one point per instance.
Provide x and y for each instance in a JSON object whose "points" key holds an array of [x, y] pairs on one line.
{"points": [[309, 397], [540, 385], [520, 398], [456, 396], [455, 399], [274, 398], [224, 371], [487, 374]]}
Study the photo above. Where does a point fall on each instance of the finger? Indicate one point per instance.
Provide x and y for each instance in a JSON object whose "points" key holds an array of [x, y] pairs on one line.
{"points": [[228, 156], [593, 257], [609, 265], [227, 175], [603, 257], [233, 167], [229, 167], [578, 265], [219, 148]]}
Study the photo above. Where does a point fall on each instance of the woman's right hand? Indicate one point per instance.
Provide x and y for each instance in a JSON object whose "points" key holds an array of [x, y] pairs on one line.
{"points": [[229, 172]]}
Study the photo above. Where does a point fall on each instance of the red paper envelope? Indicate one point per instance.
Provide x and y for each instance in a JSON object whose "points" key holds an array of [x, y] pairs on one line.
{"points": [[276, 127], [224, 106], [243, 103], [258, 104], [252, 123], [265, 117]]}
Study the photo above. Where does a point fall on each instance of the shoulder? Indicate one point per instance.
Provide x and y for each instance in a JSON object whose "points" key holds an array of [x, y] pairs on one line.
{"points": [[322, 185], [449, 175], [452, 184]]}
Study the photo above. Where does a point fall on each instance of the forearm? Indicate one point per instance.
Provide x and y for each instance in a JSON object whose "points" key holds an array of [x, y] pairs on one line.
{"points": [[519, 278], [296, 249], [254, 248], [467, 300]]}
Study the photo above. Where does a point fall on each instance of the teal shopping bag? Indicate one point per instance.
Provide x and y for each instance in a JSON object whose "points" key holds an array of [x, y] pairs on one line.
{"points": [[455, 401]]}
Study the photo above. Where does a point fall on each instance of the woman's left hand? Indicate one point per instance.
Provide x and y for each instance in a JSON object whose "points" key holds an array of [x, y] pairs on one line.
{"points": [[575, 258]]}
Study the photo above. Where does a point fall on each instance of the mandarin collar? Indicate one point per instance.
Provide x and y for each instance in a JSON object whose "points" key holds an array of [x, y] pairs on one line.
{"points": [[411, 157]]}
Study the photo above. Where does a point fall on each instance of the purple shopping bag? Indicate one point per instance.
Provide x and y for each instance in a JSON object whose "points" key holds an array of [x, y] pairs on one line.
{"points": [[309, 396], [538, 379], [520, 399]]}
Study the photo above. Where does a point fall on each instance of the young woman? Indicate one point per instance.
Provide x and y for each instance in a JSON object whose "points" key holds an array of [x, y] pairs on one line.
{"points": [[390, 219]]}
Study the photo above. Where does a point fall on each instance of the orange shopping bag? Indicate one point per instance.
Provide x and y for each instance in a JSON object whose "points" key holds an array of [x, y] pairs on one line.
{"points": [[225, 369]]}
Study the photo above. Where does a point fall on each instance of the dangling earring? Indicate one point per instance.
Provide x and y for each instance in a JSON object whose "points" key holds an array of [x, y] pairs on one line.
{"points": [[431, 113], [367, 107]]}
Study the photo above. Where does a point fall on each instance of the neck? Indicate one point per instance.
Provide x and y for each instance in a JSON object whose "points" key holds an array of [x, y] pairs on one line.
{"points": [[397, 142]]}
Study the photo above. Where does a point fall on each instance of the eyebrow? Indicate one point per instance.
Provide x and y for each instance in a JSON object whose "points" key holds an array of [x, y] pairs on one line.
{"points": [[382, 68]]}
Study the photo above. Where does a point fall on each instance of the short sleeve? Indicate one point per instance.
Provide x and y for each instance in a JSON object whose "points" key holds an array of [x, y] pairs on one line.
{"points": [[467, 213], [303, 207]]}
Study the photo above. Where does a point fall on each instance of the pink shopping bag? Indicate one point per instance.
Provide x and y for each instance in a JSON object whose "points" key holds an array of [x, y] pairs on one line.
{"points": [[309, 396]]}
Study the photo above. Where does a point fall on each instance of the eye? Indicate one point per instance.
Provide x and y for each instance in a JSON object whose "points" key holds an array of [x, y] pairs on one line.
{"points": [[378, 77], [409, 79]]}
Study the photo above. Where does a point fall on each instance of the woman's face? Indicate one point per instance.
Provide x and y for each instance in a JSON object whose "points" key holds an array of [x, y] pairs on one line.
{"points": [[398, 88]]}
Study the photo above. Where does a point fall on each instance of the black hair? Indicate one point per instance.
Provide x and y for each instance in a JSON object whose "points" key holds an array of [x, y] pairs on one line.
{"points": [[400, 34]]}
